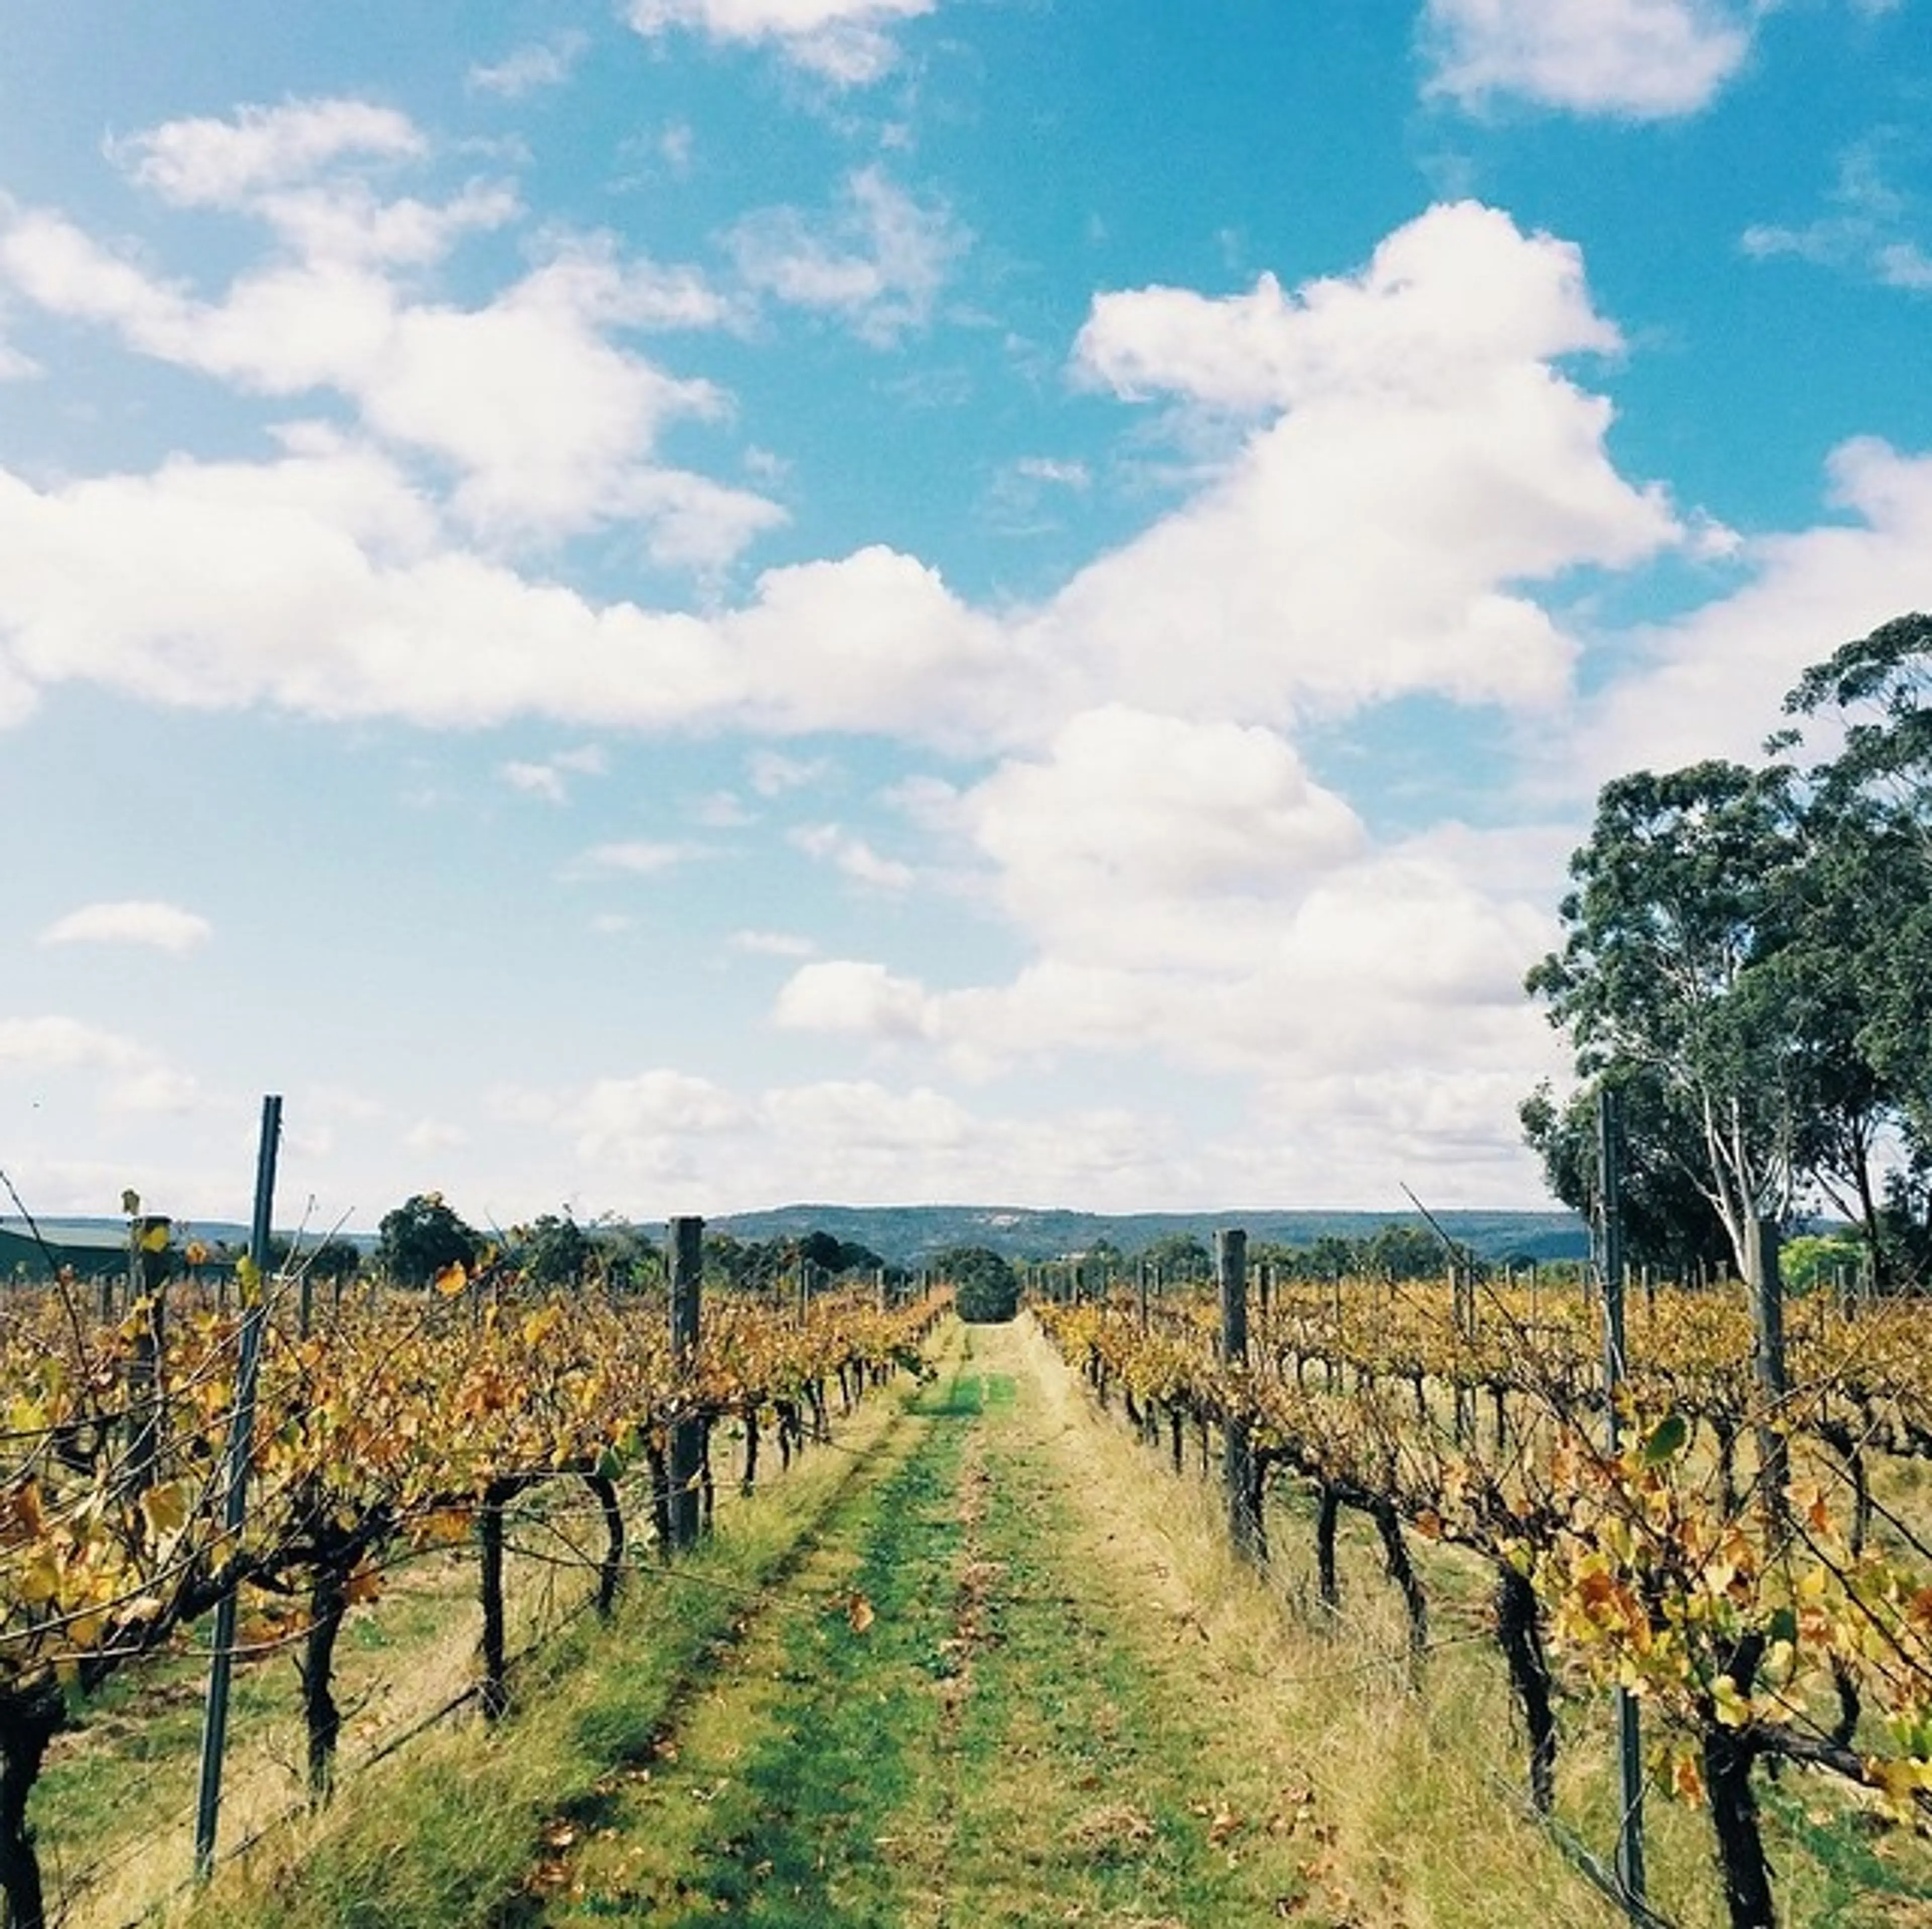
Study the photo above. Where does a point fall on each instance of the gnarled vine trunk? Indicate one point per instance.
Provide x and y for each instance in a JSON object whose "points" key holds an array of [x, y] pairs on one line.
{"points": [[28, 1723]]}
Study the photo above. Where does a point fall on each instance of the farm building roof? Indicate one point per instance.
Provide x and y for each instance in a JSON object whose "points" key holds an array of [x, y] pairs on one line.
{"points": [[90, 1246]]}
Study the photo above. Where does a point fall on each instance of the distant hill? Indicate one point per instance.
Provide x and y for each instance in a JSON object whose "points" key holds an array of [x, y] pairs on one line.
{"points": [[910, 1235]]}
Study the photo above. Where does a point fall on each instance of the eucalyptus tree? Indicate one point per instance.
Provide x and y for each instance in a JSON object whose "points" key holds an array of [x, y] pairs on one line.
{"points": [[1869, 817], [1748, 955], [1669, 1222], [1681, 904]]}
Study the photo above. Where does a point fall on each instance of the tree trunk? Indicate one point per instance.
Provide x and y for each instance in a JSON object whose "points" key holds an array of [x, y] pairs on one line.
{"points": [[1518, 1630], [27, 1724], [1328, 1586], [1729, 1754], [610, 1570], [1395, 1557], [328, 1602]]}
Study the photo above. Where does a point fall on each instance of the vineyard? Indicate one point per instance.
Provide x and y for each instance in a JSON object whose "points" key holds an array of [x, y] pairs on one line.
{"points": [[1755, 1576], [178, 1477], [1747, 1577]]}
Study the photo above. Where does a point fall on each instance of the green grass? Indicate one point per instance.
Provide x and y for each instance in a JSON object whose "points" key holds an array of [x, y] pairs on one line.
{"points": [[114, 1810], [460, 1828], [990, 1750], [989, 1662], [1087, 1782], [773, 1805]]}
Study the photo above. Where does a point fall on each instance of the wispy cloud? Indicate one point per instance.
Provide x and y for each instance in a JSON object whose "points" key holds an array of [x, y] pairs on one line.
{"points": [[771, 944], [208, 163], [1061, 473], [140, 1080], [878, 259], [773, 772], [131, 921], [846, 42], [831, 843], [637, 858], [1873, 226], [549, 781], [540, 65]]}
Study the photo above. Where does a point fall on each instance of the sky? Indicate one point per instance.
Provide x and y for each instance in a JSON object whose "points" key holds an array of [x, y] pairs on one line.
{"points": [[677, 606]]}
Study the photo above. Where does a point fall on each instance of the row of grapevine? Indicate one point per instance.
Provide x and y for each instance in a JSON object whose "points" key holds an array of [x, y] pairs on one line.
{"points": [[1745, 1566], [401, 1420]]}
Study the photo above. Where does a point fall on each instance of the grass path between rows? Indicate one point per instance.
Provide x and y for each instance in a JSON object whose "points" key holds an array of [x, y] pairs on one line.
{"points": [[983, 1660], [988, 1695]]}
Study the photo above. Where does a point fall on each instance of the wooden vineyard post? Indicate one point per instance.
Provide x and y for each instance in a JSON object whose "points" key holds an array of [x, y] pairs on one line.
{"points": [[235, 1499], [1767, 1299], [1141, 1283], [1237, 1467], [1630, 1869], [686, 1264], [1462, 1301], [1333, 1349], [147, 1287]]}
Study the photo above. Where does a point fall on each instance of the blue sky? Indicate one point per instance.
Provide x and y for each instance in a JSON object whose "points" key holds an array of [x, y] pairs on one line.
{"points": [[690, 605]]}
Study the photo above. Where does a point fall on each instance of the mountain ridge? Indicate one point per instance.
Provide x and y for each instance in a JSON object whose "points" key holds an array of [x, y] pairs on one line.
{"points": [[910, 1235], [913, 1235]]}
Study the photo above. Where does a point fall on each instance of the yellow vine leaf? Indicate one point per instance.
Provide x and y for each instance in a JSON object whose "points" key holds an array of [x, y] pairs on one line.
{"points": [[39, 1580], [1732, 1709], [165, 1508]]}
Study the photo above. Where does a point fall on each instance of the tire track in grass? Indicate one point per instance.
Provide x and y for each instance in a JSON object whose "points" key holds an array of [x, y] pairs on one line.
{"points": [[1081, 1779], [768, 1803], [962, 1710]]}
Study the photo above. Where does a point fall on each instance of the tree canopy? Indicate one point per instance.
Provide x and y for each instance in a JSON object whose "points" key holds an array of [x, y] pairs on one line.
{"points": [[1747, 957], [986, 1289], [1180, 1255], [421, 1238]]}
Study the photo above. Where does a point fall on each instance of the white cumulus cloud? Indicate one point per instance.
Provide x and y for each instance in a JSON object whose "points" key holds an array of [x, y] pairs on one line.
{"points": [[1420, 460], [545, 423], [1645, 59], [850, 995]]}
